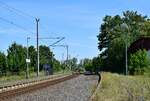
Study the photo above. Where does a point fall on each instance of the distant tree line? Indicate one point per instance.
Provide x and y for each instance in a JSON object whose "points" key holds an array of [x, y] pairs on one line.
{"points": [[112, 40], [93, 65], [14, 62]]}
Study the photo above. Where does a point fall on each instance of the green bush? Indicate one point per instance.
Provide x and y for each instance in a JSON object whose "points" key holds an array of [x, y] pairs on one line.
{"points": [[88, 67], [3, 65], [139, 62]]}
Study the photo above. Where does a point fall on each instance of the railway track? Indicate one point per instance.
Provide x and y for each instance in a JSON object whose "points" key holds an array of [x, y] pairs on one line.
{"points": [[19, 83], [32, 86]]}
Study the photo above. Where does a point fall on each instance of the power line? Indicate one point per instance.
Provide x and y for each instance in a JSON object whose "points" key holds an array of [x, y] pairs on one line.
{"points": [[12, 23], [67, 50], [18, 12], [21, 13], [14, 12], [50, 38], [57, 41], [46, 29]]}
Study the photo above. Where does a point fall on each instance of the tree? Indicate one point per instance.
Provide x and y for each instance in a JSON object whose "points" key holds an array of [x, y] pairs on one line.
{"points": [[139, 62], [16, 58], [87, 64], [81, 66], [116, 53], [33, 58], [72, 63], [46, 56], [97, 64], [3, 65], [56, 65], [112, 37], [93, 65]]}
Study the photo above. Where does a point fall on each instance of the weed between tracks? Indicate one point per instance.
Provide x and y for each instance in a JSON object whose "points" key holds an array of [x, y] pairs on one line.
{"points": [[116, 87]]}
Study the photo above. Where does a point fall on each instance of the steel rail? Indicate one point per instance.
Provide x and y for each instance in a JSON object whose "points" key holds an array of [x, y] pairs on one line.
{"points": [[33, 87]]}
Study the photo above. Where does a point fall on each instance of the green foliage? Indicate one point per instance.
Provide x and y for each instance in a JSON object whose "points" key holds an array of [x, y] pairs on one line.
{"points": [[56, 65], [45, 56], [139, 62], [33, 58], [3, 65], [72, 63], [97, 64], [87, 64], [14, 62], [93, 65], [16, 58], [116, 55], [81, 67], [112, 37]]}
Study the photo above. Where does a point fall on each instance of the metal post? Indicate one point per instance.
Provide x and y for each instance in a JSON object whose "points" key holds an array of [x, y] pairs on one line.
{"points": [[37, 30], [52, 62], [126, 55], [67, 56], [125, 27], [27, 69], [67, 51]]}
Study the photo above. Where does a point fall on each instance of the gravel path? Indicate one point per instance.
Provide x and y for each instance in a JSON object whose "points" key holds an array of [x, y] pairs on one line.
{"points": [[77, 89]]}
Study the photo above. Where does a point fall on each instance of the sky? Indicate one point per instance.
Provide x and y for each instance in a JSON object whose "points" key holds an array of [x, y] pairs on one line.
{"points": [[76, 20]]}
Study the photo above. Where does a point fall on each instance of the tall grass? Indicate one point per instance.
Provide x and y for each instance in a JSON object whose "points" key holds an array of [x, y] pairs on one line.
{"points": [[115, 87]]}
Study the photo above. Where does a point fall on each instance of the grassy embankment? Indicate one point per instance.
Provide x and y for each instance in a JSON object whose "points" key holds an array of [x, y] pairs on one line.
{"points": [[115, 87]]}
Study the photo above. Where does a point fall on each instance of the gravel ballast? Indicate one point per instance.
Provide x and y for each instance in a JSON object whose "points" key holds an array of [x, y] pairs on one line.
{"points": [[76, 89]]}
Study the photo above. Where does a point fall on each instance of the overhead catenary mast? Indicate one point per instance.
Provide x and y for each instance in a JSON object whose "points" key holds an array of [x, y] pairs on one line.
{"points": [[37, 36]]}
